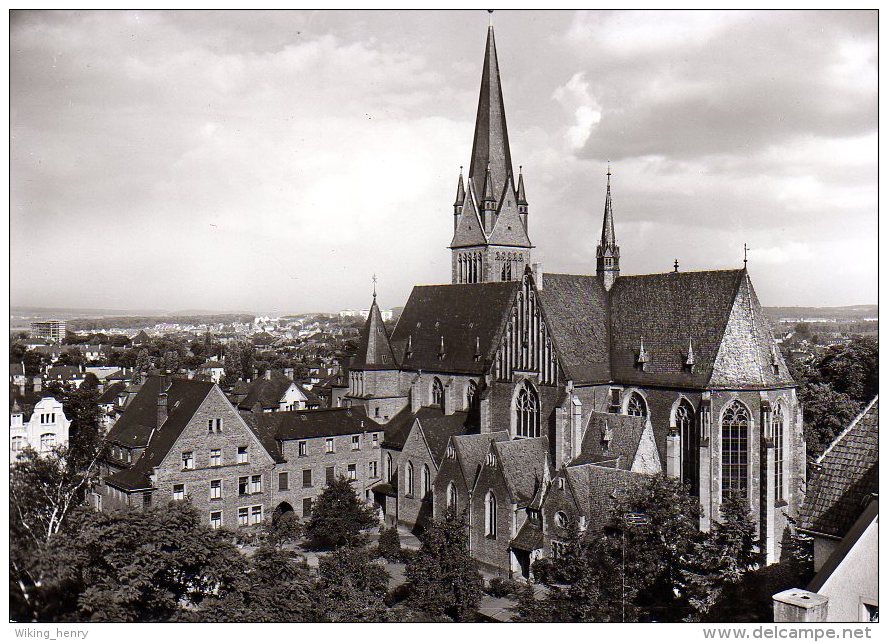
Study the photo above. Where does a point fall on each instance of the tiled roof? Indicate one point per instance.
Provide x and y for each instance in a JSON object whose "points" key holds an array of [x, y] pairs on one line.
{"points": [[307, 424], [398, 428], [625, 432], [64, 372], [471, 450], [529, 538], [438, 428], [575, 308], [465, 315], [845, 477], [522, 462]]}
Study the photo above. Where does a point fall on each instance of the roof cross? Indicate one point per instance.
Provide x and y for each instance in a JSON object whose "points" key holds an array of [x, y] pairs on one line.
{"points": [[374, 286], [746, 249]]}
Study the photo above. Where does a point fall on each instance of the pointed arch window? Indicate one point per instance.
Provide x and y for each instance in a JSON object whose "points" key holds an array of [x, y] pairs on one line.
{"points": [[735, 448], [686, 426], [437, 392], [408, 473], [451, 497], [636, 406], [490, 515], [527, 412], [473, 401], [777, 425], [426, 481], [388, 467]]}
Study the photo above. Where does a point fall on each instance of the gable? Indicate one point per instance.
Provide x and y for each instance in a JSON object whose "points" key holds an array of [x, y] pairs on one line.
{"points": [[747, 352], [509, 229], [647, 457], [469, 231]]}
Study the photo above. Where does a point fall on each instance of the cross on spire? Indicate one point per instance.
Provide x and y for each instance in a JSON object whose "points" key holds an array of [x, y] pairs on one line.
{"points": [[745, 250], [374, 286]]}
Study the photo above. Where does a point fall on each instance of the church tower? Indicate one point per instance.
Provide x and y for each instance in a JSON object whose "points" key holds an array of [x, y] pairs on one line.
{"points": [[490, 238], [608, 254]]}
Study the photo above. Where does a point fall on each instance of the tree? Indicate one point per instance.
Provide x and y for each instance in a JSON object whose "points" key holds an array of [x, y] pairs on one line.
{"points": [[81, 406], [340, 517], [389, 546], [284, 528], [826, 413], [276, 587], [143, 362], [721, 560], [852, 368], [444, 578], [44, 491], [148, 565], [351, 586]]}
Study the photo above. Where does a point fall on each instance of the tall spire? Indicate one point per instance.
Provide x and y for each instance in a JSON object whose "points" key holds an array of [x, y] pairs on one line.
{"points": [[608, 254], [522, 199], [491, 141]]}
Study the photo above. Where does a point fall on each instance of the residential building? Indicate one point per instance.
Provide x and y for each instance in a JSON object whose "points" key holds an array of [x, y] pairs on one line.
{"points": [[45, 428]]}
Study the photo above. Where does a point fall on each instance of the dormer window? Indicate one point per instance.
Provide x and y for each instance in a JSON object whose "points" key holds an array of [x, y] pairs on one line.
{"points": [[561, 519], [491, 459], [451, 452]]}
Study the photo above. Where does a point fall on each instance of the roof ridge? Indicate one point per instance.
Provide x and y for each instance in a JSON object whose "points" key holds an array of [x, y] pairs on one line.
{"points": [[842, 434]]}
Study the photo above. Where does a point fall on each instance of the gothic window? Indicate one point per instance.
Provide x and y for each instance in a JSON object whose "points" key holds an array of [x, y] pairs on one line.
{"points": [[388, 467], [735, 448], [408, 473], [777, 431], [472, 399], [451, 497], [690, 446], [490, 515], [426, 481], [437, 392], [636, 406], [527, 412], [561, 519]]}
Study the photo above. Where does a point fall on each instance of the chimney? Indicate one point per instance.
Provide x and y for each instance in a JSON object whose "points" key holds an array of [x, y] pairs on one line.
{"points": [[268, 374], [255, 373], [161, 409], [538, 275], [288, 373]]}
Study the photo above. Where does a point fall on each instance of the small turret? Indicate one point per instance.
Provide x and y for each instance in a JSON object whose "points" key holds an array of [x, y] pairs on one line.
{"points": [[488, 202], [460, 198], [522, 198]]}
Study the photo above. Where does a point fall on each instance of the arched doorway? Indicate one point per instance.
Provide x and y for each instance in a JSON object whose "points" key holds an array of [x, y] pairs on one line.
{"points": [[284, 510]]}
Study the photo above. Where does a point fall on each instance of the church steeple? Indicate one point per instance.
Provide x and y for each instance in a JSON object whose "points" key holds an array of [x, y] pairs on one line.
{"points": [[490, 237], [608, 254], [374, 350], [490, 146]]}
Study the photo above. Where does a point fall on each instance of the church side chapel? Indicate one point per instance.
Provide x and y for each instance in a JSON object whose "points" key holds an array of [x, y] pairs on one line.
{"points": [[526, 398]]}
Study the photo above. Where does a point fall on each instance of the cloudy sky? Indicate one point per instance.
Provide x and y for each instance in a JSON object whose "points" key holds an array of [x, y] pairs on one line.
{"points": [[274, 161]]}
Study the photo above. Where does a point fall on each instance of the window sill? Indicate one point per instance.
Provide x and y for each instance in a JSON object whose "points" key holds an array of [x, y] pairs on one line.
{"points": [[215, 499], [490, 537], [781, 503], [307, 486]]}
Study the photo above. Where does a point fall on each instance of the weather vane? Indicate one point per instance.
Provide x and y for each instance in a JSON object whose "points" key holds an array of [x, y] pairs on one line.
{"points": [[374, 285]]}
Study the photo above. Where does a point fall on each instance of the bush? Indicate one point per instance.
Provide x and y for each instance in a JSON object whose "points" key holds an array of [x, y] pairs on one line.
{"points": [[500, 587], [389, 545]]}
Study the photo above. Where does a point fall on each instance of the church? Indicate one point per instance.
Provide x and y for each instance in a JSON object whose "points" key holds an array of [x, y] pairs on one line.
{"points": [[527, 399]]}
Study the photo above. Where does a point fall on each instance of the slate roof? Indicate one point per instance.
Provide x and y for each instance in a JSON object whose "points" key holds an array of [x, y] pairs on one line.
{"points": [[267, 392], [464, 314], [438, 428], [325, 422], [472, 449], [522, 463], [374, 349], [845, 477], [626, 432], [109, 395], [398, 428], [605, 483], [529, 537], [184, 397], [668, 310], [64, 373], [134, 427], [575, 309]]}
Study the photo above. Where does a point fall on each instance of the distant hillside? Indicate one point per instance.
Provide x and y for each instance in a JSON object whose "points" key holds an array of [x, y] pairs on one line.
{"points": [[91, 325], [844, 313]]}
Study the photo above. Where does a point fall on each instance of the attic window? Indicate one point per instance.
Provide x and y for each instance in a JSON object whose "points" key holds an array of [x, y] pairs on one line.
{"points": [[561, 483], [561, 519], [385, 358], [490, 460], [451, 452]]}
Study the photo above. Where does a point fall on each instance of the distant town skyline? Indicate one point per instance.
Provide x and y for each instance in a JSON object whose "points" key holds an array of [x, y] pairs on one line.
{"points": [[274, 161]]}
